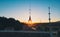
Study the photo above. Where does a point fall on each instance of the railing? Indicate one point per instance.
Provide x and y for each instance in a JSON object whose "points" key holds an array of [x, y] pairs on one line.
{"points": [[30, 33]]}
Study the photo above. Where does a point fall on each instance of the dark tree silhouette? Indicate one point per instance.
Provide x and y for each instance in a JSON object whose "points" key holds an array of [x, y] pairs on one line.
{"points": [[10, 22]]}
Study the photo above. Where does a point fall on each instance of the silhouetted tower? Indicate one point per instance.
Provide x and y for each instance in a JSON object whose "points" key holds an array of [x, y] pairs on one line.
{"points": [[49, 15], [29, 21], [30, 14], [51, 34]]}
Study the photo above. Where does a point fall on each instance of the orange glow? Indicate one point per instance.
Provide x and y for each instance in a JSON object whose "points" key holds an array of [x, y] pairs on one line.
{"points": [[37, 20], [30, 22]]}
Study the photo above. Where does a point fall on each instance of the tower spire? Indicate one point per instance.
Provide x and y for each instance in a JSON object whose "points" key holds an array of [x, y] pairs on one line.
{"points": [[30, 20], [29, 14]]}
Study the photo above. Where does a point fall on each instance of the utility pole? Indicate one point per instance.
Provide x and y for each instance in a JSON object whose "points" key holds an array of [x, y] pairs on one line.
{"points": [[49, 15]]}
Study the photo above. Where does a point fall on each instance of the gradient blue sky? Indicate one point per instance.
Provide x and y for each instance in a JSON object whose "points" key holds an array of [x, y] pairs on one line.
{"points": [[19, 9]]}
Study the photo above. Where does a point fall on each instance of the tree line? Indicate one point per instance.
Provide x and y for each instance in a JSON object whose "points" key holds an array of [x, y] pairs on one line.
{"points": [[10, 22]]}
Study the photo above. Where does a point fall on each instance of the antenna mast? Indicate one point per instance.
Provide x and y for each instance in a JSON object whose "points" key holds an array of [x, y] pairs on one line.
{"points": [[49, 15], [51, 35]]}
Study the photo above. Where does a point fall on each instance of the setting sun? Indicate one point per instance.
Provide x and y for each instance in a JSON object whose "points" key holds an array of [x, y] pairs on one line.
{"points": [[29, 22]]}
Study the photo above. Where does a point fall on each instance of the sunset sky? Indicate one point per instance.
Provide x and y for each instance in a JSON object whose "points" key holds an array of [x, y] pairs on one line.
{"points": [[19, 9]]}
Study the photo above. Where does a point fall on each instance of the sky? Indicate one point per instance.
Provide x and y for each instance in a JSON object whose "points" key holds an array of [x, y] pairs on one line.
{"points": [[19, 9]]}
